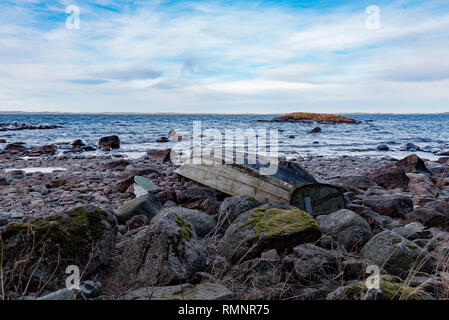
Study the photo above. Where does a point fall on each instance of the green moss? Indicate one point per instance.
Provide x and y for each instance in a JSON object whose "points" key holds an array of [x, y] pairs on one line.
{"points": [[411, 246], [73, 236], [251, 199], [391, 291], [184, 228], [395, 239], [176, 243], [270, 222], [396, 291]]}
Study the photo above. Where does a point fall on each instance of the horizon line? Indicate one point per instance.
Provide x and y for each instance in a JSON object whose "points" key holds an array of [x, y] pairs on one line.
{"points": [[208, 113]]}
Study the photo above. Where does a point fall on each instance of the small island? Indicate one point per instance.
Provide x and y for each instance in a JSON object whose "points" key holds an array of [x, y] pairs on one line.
{"points": [[308, 117]]}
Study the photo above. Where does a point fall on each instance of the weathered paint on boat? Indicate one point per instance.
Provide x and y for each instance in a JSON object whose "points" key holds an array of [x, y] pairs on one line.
{"points": [[291, 184]]}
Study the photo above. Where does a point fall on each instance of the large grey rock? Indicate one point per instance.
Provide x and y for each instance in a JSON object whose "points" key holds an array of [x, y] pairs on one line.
{"points": [[396, 254], [232, 207], [347, 227], [429, 216], [163, 253], [422, 184], [112, 142], [202, 222], [202, 291], [148, 205], [260, 272], [84, 237], [395, 206], [279, 227], [309, 263]]}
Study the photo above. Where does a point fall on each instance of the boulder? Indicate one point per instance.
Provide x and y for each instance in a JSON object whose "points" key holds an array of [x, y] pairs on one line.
{"points": [[422, 184], [375, 220], [407, 233], [159, 155], [78, 143], [165, 252], [441, 205], [162, 140], [430, 217], [390, 177], [315, 130], [279, 227], [15, 147], [202, 291], [410, 147], [201, 198], [395, 206], [124, 184], [148, 205], [137, 222], [260, 272], [383, 147], [4, 181], [84, 237], [112, 142], [309, 264], [394, 176], [202, 222], [397, 255], [347, 227], [232, 207], [137, 170], [412, 164]]}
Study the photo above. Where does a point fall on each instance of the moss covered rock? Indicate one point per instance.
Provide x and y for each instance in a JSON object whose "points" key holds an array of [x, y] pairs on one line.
{"points": [[279, 227], [163, 253], [390, 289], [39, 251], [396, 254]]}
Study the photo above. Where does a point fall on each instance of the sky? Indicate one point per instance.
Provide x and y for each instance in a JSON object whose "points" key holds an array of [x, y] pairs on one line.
{"points": [[203, 56]]}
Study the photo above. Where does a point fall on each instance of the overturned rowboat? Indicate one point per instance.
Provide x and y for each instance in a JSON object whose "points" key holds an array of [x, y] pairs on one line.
{"points": [[290, 184]]}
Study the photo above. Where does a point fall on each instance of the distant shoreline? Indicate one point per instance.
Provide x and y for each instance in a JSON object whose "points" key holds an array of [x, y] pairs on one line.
{"points": [[197, 114]]}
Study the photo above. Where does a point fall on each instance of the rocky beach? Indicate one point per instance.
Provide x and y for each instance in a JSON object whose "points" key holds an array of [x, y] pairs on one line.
{"points": [[138, 230]]}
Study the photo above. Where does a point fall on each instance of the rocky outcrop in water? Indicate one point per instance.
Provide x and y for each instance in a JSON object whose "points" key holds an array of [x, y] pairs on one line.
{"points": [[14, 126]]}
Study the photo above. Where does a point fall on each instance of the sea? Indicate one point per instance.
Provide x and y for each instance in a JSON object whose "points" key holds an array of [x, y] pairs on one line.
{"points": [[139, 132]]}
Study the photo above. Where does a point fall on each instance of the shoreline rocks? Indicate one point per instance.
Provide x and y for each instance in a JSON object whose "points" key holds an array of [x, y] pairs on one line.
{"points": [[277, 258]]}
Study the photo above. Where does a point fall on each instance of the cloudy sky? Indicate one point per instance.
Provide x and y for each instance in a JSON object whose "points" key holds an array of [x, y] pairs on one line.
{"points": [[243, 56]]}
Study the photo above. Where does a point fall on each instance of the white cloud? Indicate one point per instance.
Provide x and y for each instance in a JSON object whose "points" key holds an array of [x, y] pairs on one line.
{"points": [[217, 58]]}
